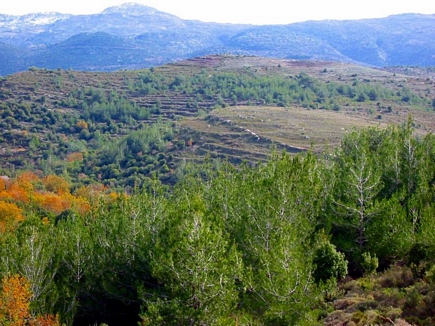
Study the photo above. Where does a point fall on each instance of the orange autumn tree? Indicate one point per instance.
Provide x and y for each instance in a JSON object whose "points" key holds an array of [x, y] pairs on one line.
{"points": [[14, 301], [16, 193], [19, 190], [74, 157], [53, 202], [91, 196], [15, 298], [51, 193], [46, 320], [57, 203], [57, 197]]}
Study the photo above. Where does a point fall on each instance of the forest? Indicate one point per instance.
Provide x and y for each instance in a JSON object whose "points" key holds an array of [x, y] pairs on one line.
{"points": [[281, 242]]}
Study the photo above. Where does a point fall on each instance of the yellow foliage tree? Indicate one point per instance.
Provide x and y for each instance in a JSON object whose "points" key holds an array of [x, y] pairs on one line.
{"points": [[15, 298], [2, 184], [26, 180], [14, 301], [81, 205], [4, 195], [55, 184], [10, 214], [82, 125], [91, 192]]}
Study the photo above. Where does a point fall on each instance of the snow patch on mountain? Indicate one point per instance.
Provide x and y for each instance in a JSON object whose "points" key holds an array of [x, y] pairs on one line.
{"points": [[30, 20]]}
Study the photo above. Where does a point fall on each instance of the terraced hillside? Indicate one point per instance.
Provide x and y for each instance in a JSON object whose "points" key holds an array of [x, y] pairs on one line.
{"points": [[121, 127]]}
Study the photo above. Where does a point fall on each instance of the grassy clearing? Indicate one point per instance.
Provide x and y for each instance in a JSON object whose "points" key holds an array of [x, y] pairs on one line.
{"points": [[294, 126], [250, 132], [257, 129]]}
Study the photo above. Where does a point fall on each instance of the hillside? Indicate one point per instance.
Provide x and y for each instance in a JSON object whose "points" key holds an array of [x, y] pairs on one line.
{"points": [[223, 189], [133, 36], [121, 127]]}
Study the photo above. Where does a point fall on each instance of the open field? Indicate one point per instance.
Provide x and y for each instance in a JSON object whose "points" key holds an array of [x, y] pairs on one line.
{"points": [[248, 131]]}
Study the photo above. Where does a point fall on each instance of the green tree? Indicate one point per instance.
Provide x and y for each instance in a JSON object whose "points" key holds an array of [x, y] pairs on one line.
{"points": [[357, 182], [357, 185], [75, 254], [329, 263], [273, 223], [197, 266]]}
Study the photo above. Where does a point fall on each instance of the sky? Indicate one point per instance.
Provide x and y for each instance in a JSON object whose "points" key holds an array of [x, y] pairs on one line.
{"points": [[257, 12]]}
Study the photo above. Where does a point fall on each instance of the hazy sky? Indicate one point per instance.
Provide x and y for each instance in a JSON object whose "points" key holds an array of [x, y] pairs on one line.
{"points": [[237, 11]]}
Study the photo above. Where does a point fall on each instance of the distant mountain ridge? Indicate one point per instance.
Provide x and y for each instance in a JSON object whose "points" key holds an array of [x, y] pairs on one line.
{"points": [[137, 36]]}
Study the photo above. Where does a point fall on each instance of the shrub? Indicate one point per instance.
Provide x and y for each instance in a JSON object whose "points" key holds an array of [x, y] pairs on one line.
{"points": [[329, 263], [369, 264], [396, 276], [420, 258], [430, 276]]}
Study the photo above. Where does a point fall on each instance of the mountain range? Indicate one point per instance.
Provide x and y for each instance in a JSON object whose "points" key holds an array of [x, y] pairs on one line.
{"points": [[134, 36]]}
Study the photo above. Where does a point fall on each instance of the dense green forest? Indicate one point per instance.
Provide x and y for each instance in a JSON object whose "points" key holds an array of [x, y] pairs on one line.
{"points": [[262, 244]]}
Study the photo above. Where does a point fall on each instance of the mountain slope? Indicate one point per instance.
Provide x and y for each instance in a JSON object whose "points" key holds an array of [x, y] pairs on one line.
{"points": [[141, 36], [121, 127], [396, 40]]}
